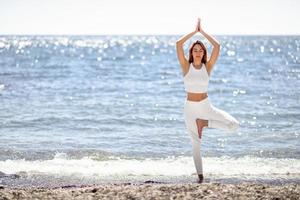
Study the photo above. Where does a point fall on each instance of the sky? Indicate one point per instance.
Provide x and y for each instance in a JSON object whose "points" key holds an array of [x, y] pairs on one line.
{"points": [[149, 17]]}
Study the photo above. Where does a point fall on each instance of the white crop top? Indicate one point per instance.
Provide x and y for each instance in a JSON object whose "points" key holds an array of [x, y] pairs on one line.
{"points": [[196, 80]]}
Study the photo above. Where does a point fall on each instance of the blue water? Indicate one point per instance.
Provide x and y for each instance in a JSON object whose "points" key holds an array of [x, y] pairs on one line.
{"points": [[97, 107]]}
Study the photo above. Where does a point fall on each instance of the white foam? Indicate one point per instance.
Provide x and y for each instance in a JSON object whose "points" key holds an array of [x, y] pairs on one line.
{"points": [[171, 166], [2, 87]]}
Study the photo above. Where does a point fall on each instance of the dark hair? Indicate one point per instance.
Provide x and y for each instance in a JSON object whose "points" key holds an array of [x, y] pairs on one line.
{"points": [[204, 58]]}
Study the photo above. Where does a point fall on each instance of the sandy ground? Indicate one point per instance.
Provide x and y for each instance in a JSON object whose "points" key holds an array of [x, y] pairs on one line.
{"points": [[158, 191]]}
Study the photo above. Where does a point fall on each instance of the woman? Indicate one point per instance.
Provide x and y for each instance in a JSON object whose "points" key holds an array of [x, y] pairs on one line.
{"points": [[198, 111]]}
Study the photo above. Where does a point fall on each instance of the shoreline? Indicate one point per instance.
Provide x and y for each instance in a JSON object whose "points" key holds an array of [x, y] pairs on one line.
{"points": [[156, 190]]}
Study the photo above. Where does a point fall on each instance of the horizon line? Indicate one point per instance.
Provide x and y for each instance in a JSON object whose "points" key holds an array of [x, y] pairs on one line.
{"points": [[114, 34]]}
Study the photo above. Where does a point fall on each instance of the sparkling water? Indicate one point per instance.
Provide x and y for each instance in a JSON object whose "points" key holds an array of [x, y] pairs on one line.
{"points": [[89, 109]]}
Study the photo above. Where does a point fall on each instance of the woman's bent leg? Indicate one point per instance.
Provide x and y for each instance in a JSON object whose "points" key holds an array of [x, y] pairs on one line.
{"points": [[220, 119]]}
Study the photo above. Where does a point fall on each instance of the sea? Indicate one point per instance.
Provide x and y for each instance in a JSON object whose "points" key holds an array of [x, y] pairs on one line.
{"points": [[81, 110]]}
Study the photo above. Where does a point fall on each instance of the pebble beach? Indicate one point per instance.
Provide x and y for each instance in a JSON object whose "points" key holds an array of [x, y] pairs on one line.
{"points": [[158, 191]]}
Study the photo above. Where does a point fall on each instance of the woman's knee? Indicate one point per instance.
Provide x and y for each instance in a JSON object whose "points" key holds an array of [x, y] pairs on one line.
{"points": [[234, 126]]}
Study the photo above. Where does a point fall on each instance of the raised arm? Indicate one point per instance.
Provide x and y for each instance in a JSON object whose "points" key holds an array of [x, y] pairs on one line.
{"points": [[216, 49], [179, 47], [180, 52]]}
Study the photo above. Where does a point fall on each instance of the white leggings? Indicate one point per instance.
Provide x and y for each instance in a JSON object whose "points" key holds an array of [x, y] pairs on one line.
{"points": [[217, 118]]}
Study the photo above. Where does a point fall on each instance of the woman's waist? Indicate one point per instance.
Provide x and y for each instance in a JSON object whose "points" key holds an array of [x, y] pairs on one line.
{"points": [[196, 96]]}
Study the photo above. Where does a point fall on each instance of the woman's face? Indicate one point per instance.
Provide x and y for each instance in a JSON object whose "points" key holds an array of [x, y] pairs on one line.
{"points": [[198, 52]]}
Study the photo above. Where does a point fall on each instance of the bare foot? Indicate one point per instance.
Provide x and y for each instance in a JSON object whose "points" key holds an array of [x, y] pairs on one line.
{"points": [[201, 123], [200, 176]]}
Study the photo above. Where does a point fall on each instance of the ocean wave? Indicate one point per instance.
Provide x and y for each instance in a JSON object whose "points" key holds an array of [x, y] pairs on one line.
{"points": [[61, 164]]}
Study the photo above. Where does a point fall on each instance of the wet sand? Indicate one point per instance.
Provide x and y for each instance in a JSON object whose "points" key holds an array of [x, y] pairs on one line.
{"points": [[157, 191]]}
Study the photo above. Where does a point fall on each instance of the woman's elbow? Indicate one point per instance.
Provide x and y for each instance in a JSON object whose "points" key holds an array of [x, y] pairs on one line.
{"points": [[178, 43]]}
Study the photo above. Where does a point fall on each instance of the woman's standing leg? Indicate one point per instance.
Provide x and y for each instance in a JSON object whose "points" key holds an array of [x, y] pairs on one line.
{"points": [[196, 146], [189, 115]]}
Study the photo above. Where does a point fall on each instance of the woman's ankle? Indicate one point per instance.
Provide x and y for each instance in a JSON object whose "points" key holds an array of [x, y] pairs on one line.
{"points": [[201, 178]]}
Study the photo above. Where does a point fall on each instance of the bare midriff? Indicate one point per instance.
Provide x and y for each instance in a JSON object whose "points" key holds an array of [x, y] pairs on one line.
{"points": [[196, 96]]}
